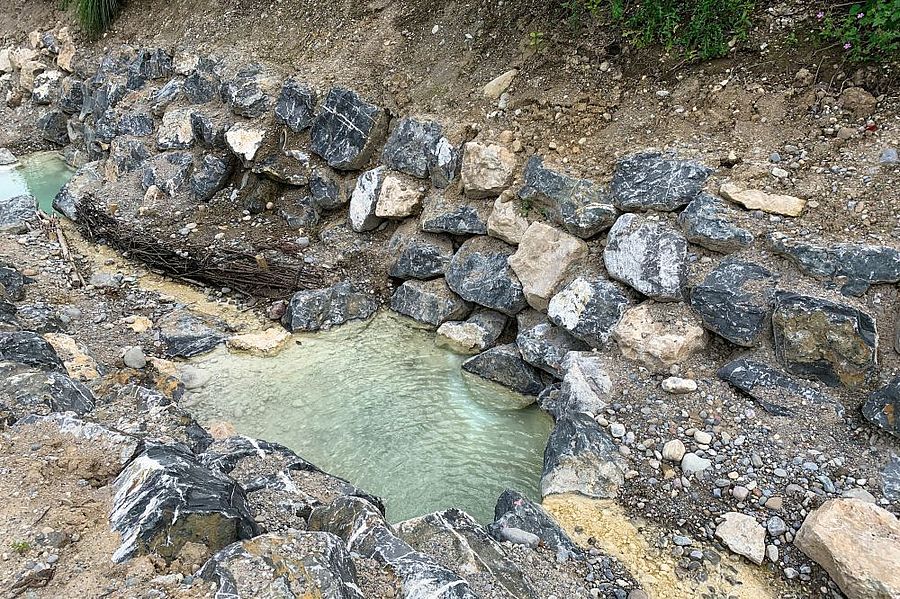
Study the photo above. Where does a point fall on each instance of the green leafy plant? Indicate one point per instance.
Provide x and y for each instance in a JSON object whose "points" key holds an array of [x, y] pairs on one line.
{"points": [[536, 40], [867, 31], [95, 15], [21, 547]]}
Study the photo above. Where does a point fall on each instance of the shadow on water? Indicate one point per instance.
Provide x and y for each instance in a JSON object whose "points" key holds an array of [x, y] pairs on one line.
{"points": [[380, 405]]}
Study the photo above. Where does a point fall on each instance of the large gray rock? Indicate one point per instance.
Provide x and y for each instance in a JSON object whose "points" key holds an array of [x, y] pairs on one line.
{"points": [[778, 393], [580, 457], [30, 349], [12, 282], [479, 272], [202, 86], [586, 387], [882, 408], [430, 302], [169, 171], [474, 335], [648, 255], [149, 64], [418, 255], [856, 266], [365, 531], [445, 214], [733, 301], [504, 364], [187, 334], [364, 200], [315, 309], [211, 175], [86, 180], [419, 148], [28, 390], [707, 221], [463, 544], [817, 338], [656, 181], [127, 154], [54, 127], [589, 309], [546, 346], [292, 565], [16, 212], [347, 129], [296, 105], [71, 95], [327, 189], [581, 206], [250, 92], [515, 512], [166, 498]]}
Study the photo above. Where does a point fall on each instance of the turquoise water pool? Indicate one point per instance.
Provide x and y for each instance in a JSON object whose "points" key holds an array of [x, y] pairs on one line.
{"points": [[41, 174]]}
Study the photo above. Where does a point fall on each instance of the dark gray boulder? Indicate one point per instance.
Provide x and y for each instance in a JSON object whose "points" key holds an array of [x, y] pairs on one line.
{"points": [[777, 393], [817, 338], [890, 479], [292, 564], [347, 129], [40, 318], [16, 212], [249, 93], [298, 209], [734, 301], [26, 389], [459, 542], [187, 334], [137, 124], [211, 175], [315, 309], [165, 96], [169, 171], [656, 181], [581, 206], [209, 131], [127, 154], [149, 64], [201, 86], [431, 302], [545, 346], [12, 282], [71, 95], [855, 266], [292, 167], [166, 498], [107, 96], [419, 255], [296, 105], [365, 531], [648, 255], [87, 179], [504, 364], [418, 148], [54, 127], [514, 511], [882, 408], [479, 272], [589, 309], [30, 349], [327, 189], [707, 221], [581, 457], [454, 215]]}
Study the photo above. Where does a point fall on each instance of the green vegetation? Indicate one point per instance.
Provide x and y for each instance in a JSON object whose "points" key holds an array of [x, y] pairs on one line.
{"points": [[21, 547], [700, 29], [867, 31], [95, 15]]}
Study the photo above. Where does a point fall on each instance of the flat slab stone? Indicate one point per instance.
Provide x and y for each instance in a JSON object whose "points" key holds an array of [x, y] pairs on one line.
{"points": [[743, 535], [817, 338], [581, 458], [656, 181], [504, 364], [858, 264], [543, 260], [648, 255], [754, 199], [347, 129], [589, 309], [707, 221], [431, 302], [777, 393], [480, 273]]}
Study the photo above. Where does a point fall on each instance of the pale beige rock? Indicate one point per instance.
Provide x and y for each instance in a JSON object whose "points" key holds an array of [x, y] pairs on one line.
{"points": [[34, 39], [505, 221], [244, 142], [858, 544], [19, 56], [487, 169], [79, 365], [221, 429], [138, 324], [673, 451], [499, 84], [400, 197], [5, 62], [28, 72], [659, 335], [264, 343], [176, 129], [754, 199], [858, 101], [462, 337], [743, 535], [67, 51], [543, 261]]}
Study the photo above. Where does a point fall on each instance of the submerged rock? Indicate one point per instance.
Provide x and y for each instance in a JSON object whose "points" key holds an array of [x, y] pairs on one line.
{"points": [[187, 334], [581, 206], [734, 301], [834, 343], [315, 309], [706, 221], [474, 335], [479, 272], [166, 498], [580, 457], [504, 364], [431, 302], [589, 309], [444, 214], [515, 512], [656, 181], [365, 531], [418, 255], [777, 393], [487, 169], [293, 564], [16, 212], [296, 105], [659, 335], [648, 255], [347, 129], [859, 265], [858, 544], [543, 260], [882, 408], [546, 346]]}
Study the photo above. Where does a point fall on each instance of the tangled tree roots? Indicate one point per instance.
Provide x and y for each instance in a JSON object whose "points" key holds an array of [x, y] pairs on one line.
{"points": [[250, 274]]}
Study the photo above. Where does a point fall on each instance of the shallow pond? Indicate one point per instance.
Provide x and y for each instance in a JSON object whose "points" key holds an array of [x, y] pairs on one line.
{"points": [[379, 404], [41, 174]]}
